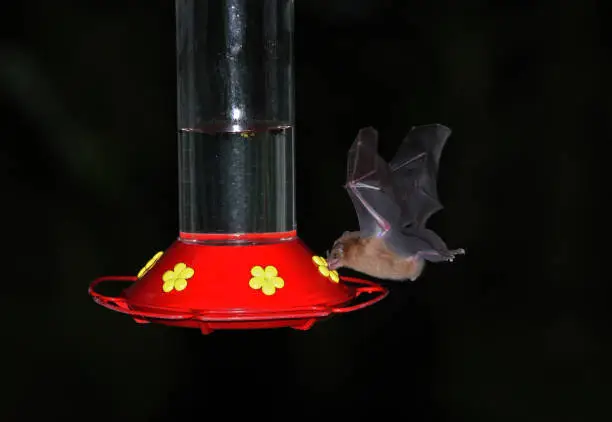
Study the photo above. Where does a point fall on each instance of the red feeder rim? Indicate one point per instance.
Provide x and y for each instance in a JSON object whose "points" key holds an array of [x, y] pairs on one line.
{"points": [[237, 287]]}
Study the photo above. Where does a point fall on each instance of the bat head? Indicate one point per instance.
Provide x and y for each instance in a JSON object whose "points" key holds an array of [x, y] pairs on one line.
{"points": [[334, 259], [337, 257]]}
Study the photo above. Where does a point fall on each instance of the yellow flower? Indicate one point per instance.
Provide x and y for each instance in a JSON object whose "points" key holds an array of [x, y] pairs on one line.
{"points": [[177, 279], [266, 279], [324, 270], [149, 264]]}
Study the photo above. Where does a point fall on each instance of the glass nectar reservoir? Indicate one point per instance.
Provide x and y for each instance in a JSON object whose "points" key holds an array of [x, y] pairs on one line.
{"points": [[235, 117]]}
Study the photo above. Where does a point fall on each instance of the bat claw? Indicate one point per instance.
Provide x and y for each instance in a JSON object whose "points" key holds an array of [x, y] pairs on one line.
{"points": [[451, 255]]}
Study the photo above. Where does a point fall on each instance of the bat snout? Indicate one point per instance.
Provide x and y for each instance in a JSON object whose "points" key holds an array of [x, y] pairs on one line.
{"points": [[333, 263]]}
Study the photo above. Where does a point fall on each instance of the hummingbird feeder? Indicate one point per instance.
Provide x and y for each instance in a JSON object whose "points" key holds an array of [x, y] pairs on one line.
{"points": [[238, 262]]}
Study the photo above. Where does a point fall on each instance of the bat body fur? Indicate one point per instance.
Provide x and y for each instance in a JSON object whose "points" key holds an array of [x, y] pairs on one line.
{"points": [[370, 255], [393, 201]]}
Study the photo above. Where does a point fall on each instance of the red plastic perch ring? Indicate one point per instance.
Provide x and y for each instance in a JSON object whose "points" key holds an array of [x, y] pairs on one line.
{"points": [[214, 287]]}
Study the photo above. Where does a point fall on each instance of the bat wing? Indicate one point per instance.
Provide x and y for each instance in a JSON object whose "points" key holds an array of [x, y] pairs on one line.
{"points": [[370, 186], [414, 171]]}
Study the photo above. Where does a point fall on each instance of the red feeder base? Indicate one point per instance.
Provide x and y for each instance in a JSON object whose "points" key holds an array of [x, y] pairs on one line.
{"points": [[213, 287]]}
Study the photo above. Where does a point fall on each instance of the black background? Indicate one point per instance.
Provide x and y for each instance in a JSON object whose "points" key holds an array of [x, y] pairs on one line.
{"points": [[516, 330]]}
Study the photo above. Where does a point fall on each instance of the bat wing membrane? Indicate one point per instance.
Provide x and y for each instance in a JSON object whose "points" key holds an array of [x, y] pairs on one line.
{"points": [[414, 168], [370, 185]]}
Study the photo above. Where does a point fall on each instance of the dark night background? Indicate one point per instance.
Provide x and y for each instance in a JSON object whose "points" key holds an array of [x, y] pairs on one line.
{"points": [[517, 330]]}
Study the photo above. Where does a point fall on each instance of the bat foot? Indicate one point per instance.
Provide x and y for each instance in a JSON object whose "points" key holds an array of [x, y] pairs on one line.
{"points": [[453, 253]]}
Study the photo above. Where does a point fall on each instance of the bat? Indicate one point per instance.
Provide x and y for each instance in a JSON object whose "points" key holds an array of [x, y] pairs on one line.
{"points": [[393, 201]]}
